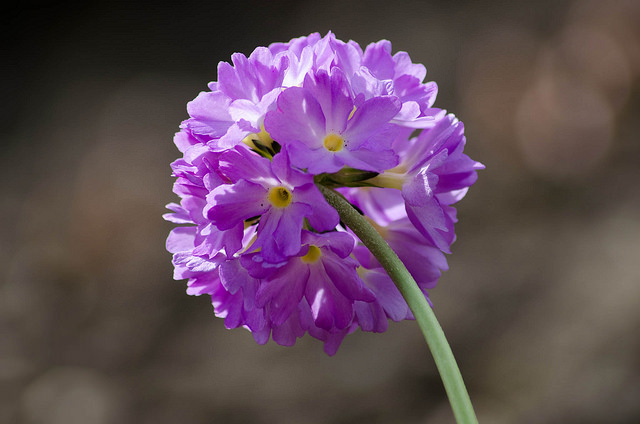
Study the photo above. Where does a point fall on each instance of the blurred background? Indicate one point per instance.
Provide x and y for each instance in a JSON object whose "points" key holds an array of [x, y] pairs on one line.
{"points": [[540, 304]]}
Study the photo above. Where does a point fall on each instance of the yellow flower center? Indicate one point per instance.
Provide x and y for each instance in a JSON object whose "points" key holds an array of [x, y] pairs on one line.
{"points": [[263, 137], [333, 142], [312, 255], [279, 197]]}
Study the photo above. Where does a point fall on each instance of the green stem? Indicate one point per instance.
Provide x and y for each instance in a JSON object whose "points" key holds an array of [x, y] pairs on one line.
{"points": [[433, 334]]}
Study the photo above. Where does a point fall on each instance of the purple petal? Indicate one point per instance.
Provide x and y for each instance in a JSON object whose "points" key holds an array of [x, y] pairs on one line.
{"points": [[423, 216], [369, 160], [323, 217], [329, 307], [183, 140], [241, 163], [196, 263], [181, 239], [231, 276], [371, 316], [180, 215], [423, 260], [404, 66], [215, 240], [377, 57], [233, 203], [342, 272], [279, 232], [203, 284], [316, 161], [283, 171], [387, 294], [363, 82], [348, 56], [298, 118], [331, 92], [369, 118], [209, 113], [287, 333], [338, 242], [380, 204], [332, 342], [424, 206], [283, 292]]}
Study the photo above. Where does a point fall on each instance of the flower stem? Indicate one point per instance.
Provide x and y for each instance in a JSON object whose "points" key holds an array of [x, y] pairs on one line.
{"points": [[433, 334]]}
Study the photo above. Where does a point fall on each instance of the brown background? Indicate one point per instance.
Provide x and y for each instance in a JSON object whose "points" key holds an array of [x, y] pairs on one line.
{"points": [[540, 304]]}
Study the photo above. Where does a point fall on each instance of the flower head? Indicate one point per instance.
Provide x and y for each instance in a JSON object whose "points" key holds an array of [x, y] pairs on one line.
{"points": [[256, 233]]}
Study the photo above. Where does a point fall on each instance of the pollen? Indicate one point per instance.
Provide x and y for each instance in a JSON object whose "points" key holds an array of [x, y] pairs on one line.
{"points": [[279, 197], [333, 142], [312, 255], [352, 112]]}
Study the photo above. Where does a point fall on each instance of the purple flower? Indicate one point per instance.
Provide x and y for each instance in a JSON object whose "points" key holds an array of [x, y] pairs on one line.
{"points": [[254, 231], [324, 129], [382, 73], [433, 174], [282, 197], [322, 273], [236, 106]]}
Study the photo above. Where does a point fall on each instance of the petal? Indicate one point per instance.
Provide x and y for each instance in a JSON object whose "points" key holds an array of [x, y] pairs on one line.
{"points": [[196, 263], [341, 244], [377, 57], [418, 190], [233, 203], [329, 307], [422, 216], [347, 56], [233, 276], [283, 171], [371, 316], [211, 241], [181, 239], [279, 232], [287, 333], [331, 92], [404, 66], [334, 341], [369, 118], [387, 294], [432, 142], [254, 112], [237, 81], [203, 284], [183, 140], [457, 173], [315, 161], [180, 215], [369, 160], [233, 137], [323, 217], [380, 204], [298, 118], [422, 260], [283, 292], [209, 113], [242, 163], [342, 273], [363, 82]]}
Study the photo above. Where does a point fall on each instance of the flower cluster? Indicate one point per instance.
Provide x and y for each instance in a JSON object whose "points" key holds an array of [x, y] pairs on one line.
{"points": [[258, 235]]}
